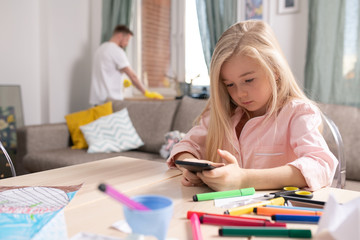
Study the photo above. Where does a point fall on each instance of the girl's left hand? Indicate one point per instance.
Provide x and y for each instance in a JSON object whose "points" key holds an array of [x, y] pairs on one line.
{"points": [[228, 177]]}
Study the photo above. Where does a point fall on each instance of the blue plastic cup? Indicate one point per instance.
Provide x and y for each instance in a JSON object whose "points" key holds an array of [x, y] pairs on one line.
{"points": [[154, 222]]}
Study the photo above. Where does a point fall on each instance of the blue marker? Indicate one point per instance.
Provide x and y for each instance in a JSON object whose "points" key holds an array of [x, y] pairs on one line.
{"points": [[296, 218]]}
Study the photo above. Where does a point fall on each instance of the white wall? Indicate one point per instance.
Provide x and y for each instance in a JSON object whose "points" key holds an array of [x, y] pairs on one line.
{"points": [[291, 31], [46, 48], [19, 53], [47, 45]]}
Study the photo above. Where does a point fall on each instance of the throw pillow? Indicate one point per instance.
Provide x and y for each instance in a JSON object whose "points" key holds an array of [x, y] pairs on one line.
{"points": [[112, 133], [77, 119]]}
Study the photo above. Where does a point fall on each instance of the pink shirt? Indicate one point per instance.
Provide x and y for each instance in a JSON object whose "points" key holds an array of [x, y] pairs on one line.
{"points": [[292, 138]]}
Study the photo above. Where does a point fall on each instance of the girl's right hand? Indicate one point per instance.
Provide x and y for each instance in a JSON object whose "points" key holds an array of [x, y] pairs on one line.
{"points": [[190, 179]]}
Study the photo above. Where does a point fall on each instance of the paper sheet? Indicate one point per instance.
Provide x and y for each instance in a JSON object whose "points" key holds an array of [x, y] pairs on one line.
{"points": [[34, 212], [340, 221], [92, 236]]}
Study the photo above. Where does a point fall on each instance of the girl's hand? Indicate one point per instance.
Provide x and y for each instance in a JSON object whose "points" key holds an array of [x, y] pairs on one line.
{"points": [[190, 179], [229, 177]]}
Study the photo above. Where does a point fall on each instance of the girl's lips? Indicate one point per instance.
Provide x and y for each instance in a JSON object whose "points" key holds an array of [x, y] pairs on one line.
{"points": [[246, 103]]}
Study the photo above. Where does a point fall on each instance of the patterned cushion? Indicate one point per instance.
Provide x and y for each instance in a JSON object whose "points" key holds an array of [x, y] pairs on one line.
{"points": [[77, 119], [112, 133]]}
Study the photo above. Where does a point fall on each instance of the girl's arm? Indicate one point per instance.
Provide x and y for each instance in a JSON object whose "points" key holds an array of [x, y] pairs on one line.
{"points": [[232, 176]]}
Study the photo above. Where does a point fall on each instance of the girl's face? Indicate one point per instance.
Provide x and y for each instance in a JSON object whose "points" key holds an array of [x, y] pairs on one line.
{"points": [[247, 84]]}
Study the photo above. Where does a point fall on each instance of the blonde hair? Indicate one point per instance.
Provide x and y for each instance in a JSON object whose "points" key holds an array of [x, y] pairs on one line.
{"points": [[255, 39]]}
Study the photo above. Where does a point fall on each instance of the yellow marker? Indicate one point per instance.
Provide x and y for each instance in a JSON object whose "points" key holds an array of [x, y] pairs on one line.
{"points": [[250, 207]]}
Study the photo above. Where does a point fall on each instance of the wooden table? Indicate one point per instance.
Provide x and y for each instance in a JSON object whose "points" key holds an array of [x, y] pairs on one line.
{"points": [[93, 211]]}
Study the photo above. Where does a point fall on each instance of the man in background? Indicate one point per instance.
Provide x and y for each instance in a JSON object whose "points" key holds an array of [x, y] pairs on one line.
{"points": [[109, 66]]}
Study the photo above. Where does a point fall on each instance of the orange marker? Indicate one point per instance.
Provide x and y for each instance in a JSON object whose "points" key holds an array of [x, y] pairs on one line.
{"points": [[269, 211]]}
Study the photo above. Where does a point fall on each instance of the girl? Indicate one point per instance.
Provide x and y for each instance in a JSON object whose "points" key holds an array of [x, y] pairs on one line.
{"points": [[258, 128]]}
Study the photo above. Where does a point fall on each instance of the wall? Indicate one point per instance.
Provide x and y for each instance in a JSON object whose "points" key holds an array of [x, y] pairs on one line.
{"points": [[291, 31], [47, 45], [46, 48]]}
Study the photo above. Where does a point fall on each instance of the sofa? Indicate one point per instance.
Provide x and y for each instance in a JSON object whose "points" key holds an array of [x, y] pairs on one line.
{"points": [[47, 146]]}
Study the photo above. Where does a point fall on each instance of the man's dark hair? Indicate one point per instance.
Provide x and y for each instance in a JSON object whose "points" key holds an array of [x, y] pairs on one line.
{"points": [[122, 29]]}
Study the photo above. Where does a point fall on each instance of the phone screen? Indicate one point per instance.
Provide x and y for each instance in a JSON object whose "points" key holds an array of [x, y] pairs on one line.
{"points": [[194, 166]]}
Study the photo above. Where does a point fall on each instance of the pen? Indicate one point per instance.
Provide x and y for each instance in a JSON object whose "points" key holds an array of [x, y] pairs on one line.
{"points": [[227, 220], [195, 226], [269, 211], [121, 197], [223, 194], [264, 232], [249, 208], [295, 218], [189, 213]]}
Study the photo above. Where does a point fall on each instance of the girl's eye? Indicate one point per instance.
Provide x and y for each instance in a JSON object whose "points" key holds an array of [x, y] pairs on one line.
{"points": [[229, 85], [249, 80]]}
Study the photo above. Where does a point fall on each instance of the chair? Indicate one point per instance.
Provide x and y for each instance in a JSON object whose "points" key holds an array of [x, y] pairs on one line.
{"points": [[334, 140], [5, 156]]}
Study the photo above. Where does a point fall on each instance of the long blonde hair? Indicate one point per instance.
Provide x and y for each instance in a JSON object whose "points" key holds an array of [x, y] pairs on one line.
{"points": [[254, 39]]}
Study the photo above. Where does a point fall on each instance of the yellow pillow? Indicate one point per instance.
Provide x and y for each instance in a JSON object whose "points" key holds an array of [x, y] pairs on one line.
{"points": [[77, 119]]}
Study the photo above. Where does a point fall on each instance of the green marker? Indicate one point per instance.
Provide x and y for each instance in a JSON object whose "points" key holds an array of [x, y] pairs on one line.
{"points": [[223, 194], [264, 232]]}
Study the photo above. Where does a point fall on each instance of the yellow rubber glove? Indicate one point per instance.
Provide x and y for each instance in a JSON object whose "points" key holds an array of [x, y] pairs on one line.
{"points": [[153, 95], [127, 83]]}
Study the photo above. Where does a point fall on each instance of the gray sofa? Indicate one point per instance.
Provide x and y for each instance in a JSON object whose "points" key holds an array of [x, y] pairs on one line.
{"points": [[47, 146], [43, 147]]}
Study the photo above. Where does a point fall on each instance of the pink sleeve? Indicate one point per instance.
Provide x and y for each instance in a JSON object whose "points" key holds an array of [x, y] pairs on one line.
{"points": [[315, 160], [194, 142]]}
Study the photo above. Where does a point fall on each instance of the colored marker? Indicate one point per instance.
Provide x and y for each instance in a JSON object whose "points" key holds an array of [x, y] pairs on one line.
{"points": [[112, 192], [269, 211], [264, 232], [250, 207], [296, 218], [189, 213], [298, 208], [223, 194], [227, 220], [195, 226]]}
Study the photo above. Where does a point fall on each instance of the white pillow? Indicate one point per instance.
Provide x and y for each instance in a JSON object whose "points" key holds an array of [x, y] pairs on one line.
{"points": [[111, 133]]}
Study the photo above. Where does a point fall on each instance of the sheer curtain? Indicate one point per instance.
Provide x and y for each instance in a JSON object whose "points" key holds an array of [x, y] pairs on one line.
{"points": [[214, 17], [332, 72], [114, 12]]}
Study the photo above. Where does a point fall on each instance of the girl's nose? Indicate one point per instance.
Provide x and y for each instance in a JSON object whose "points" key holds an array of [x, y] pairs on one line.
{"points": [[241, 92]]}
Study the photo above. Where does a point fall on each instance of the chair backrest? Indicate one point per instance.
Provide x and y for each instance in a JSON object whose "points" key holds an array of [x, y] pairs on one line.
{"points": [[334, 140], [5, 161]]}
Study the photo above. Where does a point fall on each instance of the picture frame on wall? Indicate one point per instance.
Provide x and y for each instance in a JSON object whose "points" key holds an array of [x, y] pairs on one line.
{"points": [[288, 6], [253, 9]]}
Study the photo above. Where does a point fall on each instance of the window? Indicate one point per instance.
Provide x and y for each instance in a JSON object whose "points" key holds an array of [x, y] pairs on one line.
{"points": [[168, 43], [195, 66]]}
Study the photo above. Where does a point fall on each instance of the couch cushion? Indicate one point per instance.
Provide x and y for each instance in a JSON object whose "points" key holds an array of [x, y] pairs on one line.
{"points": [[77, 119], [41, 161], [152, 119], [111, 133], [189, 110]]}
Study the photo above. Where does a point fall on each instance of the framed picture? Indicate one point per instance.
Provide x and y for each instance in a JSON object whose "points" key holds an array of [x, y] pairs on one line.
{"points": [[253, 9], [288, 6]]}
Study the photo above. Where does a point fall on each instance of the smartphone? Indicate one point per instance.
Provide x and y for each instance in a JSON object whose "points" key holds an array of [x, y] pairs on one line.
{"points": [[194, 166]]}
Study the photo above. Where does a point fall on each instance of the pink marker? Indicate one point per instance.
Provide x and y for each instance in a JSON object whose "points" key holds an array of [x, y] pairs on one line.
{"points": [[112, 192], [195, 226]]}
